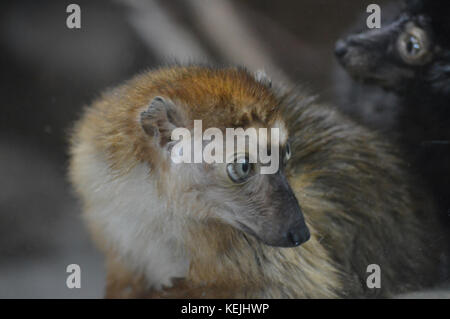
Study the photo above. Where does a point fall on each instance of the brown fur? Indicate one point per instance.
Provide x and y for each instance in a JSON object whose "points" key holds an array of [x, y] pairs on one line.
{"points": [[358, 200]]}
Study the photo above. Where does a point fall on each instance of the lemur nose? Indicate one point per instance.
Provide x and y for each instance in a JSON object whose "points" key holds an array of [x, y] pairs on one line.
{"points": [[299, 235], [340, 49]]}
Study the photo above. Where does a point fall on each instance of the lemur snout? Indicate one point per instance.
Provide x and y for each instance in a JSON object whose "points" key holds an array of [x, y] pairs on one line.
{"points": [[341, 48], [298, 234]]}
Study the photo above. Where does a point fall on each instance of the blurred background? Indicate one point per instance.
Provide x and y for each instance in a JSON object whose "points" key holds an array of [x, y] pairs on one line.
{"points": [[49, 72]]}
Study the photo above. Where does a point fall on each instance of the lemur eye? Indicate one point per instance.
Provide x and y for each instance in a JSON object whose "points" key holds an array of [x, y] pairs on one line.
{"points": [[288, 151], [239, 171], [413, 45]]}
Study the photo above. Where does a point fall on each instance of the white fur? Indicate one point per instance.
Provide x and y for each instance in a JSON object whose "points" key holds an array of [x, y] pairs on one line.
{"points": [[283, 131], [263, 78], [145, 232]]}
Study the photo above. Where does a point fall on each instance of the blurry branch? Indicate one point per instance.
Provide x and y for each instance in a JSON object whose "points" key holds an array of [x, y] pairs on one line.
{"points": [[289, 50], [232, 37], [218, 20], [162, 34]]}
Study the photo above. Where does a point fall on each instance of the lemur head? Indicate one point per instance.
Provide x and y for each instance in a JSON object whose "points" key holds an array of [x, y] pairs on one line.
{"points": [[411, 52], [231, 189]]}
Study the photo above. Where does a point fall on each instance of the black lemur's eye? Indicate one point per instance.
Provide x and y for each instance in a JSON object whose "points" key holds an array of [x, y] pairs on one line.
{"points": [[413, 45], [239, 171]]}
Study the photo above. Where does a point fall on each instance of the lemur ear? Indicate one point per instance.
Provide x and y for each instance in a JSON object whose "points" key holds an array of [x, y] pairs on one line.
{"points": [[161, 117], [263, 78]]}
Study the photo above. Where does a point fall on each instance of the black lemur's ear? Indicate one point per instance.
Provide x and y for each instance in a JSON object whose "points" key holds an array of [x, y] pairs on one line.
{"points": [[161, 117]]}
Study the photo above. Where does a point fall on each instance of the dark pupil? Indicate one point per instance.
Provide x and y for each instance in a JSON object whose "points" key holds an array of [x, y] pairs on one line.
{"points": [[413, 46], [245, 167]]}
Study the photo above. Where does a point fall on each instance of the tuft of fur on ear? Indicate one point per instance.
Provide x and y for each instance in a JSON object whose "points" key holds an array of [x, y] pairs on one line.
{"points": [[160, 118], [263, 78]]}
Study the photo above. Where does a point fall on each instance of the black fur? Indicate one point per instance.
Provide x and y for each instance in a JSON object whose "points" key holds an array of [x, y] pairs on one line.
{"points": [[418, 114]]}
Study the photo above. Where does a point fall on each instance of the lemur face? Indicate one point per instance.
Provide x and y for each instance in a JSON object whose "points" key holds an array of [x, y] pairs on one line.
{"points": [[234, 191], [263, 205], [398, 57]]}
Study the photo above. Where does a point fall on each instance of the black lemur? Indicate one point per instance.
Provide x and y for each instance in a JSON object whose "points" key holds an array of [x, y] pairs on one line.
{"points": [[410, 59]]}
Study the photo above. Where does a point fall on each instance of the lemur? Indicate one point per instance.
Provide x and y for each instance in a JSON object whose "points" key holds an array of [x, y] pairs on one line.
{"points": [[340, 201], [410, 58]]}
